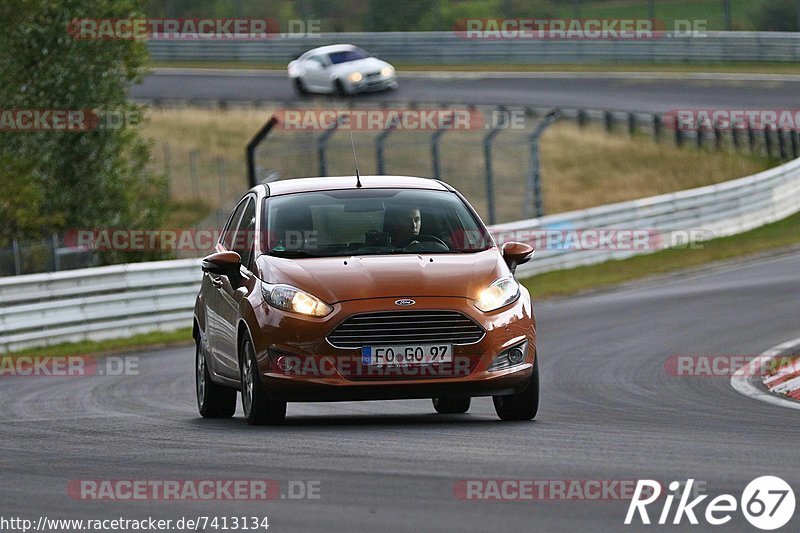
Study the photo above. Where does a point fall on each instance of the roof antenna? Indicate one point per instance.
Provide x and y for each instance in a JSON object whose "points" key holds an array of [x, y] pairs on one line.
{"points": [[358, 178]]}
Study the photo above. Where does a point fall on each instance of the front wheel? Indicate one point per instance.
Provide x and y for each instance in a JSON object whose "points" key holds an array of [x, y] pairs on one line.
{"points": [[299, 88], [523, 405], [260, 409], [213, 400], [452, 406]]}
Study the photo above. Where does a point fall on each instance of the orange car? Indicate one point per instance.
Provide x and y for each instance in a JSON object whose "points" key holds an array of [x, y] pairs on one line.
{"points": [[332, 289]]}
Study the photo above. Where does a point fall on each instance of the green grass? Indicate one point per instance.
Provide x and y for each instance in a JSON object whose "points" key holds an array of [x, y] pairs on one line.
{"points": [[179, 337], [668, 11], [781, 234], [678, 68]]}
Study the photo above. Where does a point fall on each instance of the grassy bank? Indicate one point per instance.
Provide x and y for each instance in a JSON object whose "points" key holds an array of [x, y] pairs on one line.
{"points": [[580, 167], [781, 234]]}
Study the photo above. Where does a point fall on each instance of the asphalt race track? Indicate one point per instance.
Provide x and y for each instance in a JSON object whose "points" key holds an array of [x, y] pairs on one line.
{"points": [[609, 411], [625, 92]]}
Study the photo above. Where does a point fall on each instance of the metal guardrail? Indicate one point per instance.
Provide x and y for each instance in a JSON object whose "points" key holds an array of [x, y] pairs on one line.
{"points": [[450, 48], [122, 300]]}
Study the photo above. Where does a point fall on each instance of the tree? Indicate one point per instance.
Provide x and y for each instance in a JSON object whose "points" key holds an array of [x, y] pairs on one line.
{"points": [[76, 180]]}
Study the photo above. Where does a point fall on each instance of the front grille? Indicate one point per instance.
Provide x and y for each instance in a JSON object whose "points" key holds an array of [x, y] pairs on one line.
{"points": [[405, 327]]}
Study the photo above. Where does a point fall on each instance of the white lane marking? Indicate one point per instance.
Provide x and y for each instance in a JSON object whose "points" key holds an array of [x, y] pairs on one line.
{"points": [[742, 383], [717, 76]]}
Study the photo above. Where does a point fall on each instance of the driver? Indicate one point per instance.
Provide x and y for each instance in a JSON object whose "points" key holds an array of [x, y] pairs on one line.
{"points": [[403, 226]]}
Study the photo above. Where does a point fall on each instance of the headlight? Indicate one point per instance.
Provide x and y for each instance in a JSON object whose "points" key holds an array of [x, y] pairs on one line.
{"points": [[354, 77], [387, 71], [500, 293], [289, 298]]}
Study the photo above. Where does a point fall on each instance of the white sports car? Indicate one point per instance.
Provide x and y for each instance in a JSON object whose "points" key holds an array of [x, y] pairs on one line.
{"points": [[340, 69]]}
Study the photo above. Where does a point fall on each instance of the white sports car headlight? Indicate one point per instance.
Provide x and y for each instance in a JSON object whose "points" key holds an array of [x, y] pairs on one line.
{"points": [[499, 294], [355, 77], [292, 299], [387, 71]]}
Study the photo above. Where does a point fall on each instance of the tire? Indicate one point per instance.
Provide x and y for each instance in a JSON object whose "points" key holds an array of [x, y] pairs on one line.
{"points": [[452, 406], [338, 89], [299, 87], [260, 409], [523, 405], [213, 400]]}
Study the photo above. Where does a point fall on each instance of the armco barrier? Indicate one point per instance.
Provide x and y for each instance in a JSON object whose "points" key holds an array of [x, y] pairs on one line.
{"points": [[444, 48], [122, 300]]}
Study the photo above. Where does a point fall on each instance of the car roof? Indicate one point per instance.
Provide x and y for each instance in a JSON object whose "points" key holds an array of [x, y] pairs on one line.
{"points": [[291, 186], [330, 48]]}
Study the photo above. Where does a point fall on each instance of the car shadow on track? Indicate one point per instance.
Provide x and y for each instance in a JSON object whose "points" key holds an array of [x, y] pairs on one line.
{"points": [[361, 420]]}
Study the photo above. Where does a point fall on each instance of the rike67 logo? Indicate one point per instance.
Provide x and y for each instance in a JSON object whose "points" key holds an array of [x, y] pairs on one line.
{"points": [[767, 503]]}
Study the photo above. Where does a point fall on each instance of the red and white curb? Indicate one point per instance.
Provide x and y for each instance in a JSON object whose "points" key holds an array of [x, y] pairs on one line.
{"points": [[785, 381]]}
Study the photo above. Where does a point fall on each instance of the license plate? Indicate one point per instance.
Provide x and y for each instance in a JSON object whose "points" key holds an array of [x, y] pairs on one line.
{"points": [[408, 354]]}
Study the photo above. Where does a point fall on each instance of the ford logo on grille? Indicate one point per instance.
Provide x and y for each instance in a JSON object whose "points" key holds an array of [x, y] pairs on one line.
{"points": [[404, 302]]}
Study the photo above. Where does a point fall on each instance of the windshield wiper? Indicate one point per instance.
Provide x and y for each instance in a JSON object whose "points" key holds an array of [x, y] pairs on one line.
{"points": [[292, 253]]}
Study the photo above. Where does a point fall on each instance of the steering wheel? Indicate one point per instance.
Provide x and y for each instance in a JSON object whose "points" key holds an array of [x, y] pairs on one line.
{"points": [[424, 237]]}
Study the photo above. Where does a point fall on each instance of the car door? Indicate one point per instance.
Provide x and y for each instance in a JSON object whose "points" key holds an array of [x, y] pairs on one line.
{"points": [[233, 288], [212, 285], [317, 73]]}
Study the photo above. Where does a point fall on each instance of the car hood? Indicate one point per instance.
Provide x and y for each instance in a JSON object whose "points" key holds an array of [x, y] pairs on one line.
{"points": [[365, 66], [387, 276]]}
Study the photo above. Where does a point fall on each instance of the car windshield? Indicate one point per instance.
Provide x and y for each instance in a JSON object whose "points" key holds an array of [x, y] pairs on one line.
{"points": [[347, 55], [370, 222]]}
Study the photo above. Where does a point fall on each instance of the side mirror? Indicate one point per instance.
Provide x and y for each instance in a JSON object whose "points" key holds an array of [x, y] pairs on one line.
{"points": [[516, 253], [224, 263]]}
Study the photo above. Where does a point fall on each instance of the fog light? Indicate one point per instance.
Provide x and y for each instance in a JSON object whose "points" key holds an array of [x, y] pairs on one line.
{"points": [[285, 364], [515, 356]]}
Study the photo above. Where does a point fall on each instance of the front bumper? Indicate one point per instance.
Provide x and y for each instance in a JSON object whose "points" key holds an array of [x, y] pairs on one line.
{"points": [[322, 372], [372, 84]]}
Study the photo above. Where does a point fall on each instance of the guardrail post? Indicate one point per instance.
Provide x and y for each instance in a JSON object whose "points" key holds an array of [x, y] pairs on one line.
{"points": [[533, 190], [782, 144], [632, 124], [193, 172], [167, 162], [56, 258], [380, 141], [17, 261], [583, 118], [768, 140], [657, 127], [435, 138], [608, 118]]}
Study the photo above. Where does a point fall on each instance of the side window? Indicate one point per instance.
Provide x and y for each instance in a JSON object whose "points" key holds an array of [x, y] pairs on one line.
{"points": [[244, 240], [230, 227], [318, 60]]}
